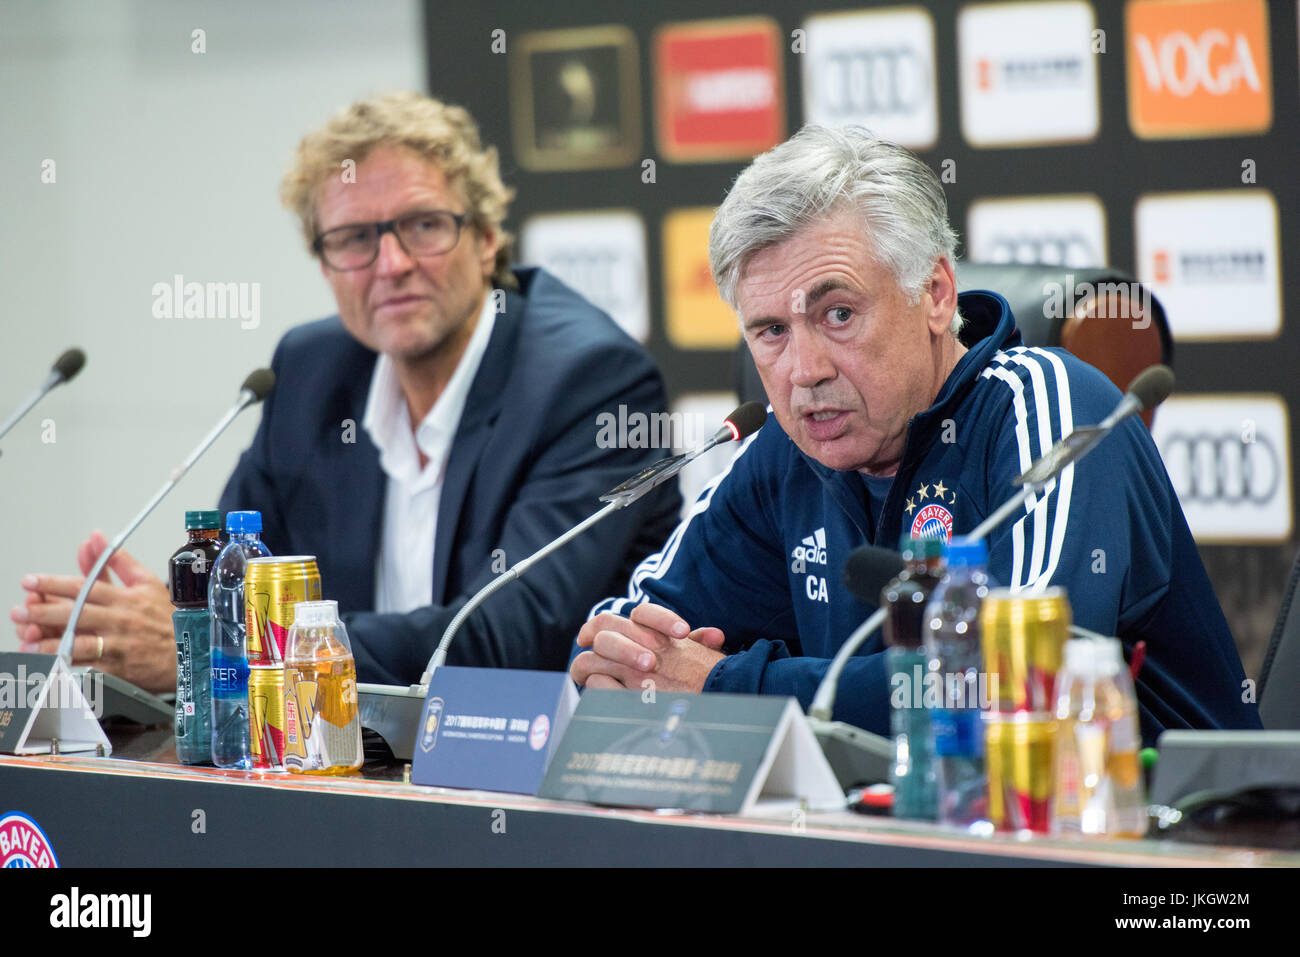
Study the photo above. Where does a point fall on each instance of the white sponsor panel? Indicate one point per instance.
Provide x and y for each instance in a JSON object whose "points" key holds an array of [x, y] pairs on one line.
{"points": [[700, 414], [600, 254], [1229, 458], [1027, 73], [1054, 230], [1212, 260], [874, 69]]}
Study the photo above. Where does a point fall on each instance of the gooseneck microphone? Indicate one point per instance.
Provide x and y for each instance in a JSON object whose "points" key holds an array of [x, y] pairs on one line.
{"points": [[869, 569], [1149, 388], [746, 420], [255, 388], [65, 368], [743, 422]]}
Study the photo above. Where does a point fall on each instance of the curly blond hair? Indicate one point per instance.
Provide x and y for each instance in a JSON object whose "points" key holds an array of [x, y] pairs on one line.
{"points": [[446, 135]]}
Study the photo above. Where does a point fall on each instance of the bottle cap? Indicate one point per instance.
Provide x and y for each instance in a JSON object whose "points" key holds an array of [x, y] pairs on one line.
{"points": [[242, 523], [1099, 657], [965, 551], [919, 549], [316, 613], [202, 518]]}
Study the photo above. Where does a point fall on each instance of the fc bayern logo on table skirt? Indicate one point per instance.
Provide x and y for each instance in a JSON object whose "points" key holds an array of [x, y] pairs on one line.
{"points": [[539, 732], [933, 521], [23, 843]]}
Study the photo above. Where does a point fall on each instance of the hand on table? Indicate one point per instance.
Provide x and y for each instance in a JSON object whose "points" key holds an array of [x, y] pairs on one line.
{"points": [[124, 629], [654, 644]]}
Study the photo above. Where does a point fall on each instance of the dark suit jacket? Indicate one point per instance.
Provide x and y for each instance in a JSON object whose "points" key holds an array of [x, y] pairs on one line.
{"points": [[524, 466]]}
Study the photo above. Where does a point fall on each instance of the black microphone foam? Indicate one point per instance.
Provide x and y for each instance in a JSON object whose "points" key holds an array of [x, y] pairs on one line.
{"points": [[747, 419], [69, 364], [869, 569], [1152, 385], [260, 382]]}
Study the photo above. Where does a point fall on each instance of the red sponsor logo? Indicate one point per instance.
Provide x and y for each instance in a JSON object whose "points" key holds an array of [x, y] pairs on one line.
{"points": [[720, 89], [1162, 265]]}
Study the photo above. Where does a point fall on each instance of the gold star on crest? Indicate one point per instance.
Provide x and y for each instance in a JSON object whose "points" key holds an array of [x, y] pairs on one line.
{"points": [[911, 507], [939, 490], [922, 493]]}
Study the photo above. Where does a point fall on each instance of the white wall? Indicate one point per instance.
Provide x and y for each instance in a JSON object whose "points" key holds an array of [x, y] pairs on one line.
{"points": [[167, 161]]}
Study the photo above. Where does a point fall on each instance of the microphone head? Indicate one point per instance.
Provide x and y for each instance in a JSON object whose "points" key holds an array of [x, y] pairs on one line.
{"points": [[69, 364], [260, 382], [746, 420], [1152, 385], [869, 569]]}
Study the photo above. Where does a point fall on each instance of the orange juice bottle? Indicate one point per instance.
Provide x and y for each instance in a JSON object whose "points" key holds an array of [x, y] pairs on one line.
{"points": [[322, 733]]}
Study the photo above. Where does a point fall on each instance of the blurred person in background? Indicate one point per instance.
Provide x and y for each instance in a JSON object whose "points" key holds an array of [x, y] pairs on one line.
{"points": [[440, 428]]}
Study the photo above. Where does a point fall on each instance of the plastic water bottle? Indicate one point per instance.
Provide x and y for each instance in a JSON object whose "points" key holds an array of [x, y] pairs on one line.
{"points": [[905, 598], [952, 643], [229, 654], [188, 571]]}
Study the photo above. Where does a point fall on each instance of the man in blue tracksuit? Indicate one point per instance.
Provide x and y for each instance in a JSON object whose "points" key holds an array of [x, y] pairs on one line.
{"points": [[900, 407]]}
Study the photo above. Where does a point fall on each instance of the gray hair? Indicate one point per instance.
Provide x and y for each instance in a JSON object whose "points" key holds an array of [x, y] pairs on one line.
{"points": [[820, 171]]}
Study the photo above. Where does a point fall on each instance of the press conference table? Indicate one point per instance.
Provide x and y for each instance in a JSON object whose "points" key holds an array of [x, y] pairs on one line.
{"points": [[140, 808]]}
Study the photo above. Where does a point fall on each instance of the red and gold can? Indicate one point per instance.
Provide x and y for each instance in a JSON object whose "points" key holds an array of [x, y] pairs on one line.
{"points": [[272, 587], [1019, 750], [1024, 634], [266, 716]]}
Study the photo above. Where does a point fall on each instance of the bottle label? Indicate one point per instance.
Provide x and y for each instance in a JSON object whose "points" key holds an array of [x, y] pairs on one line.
{"points": [[229, 676], [957, 733]]}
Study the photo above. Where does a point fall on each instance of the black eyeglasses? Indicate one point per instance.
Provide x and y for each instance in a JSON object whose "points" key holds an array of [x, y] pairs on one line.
{"points": [[356, 246]]}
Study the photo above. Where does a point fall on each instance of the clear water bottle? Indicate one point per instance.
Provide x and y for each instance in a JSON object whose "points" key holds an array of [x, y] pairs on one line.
{"points": [[229, 668], [905, 599], [952, 644], [1098, 777]]}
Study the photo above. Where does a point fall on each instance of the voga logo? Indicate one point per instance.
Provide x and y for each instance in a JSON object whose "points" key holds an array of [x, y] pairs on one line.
{"points": [[75, 910], [1180, 64], [208, 300]]}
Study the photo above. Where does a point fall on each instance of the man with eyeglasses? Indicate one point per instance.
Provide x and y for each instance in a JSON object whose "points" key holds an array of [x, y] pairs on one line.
{"points": [[441, 428]]}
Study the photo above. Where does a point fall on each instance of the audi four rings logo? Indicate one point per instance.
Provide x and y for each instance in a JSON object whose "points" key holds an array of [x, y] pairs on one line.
{"points": [[883, 80], [1221, 469], [605, 275], [1066, 249]]}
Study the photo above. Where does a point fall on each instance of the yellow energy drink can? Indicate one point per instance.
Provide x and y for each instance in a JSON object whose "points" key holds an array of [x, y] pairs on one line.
{"points": [[272, 587]]}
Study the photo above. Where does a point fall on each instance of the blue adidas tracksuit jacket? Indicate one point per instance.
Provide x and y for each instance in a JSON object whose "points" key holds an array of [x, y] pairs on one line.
{"points": [[760, 554]]}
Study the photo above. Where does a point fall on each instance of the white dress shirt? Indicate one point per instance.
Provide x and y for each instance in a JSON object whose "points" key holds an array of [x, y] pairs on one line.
{"points": [[404, 571]]}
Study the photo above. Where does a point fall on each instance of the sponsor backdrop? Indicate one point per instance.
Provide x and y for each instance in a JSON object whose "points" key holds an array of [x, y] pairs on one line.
{"points": [[1157, 136]]}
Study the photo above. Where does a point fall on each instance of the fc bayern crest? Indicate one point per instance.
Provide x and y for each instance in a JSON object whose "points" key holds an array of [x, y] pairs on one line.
{"points": [[933, 521], [23, 843]]}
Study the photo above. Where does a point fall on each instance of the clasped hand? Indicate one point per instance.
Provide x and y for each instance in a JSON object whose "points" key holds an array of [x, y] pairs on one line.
{"points": [[654, 644]]}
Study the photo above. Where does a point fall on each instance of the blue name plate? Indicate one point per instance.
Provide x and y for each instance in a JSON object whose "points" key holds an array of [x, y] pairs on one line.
{"points": [[491, 729]]}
